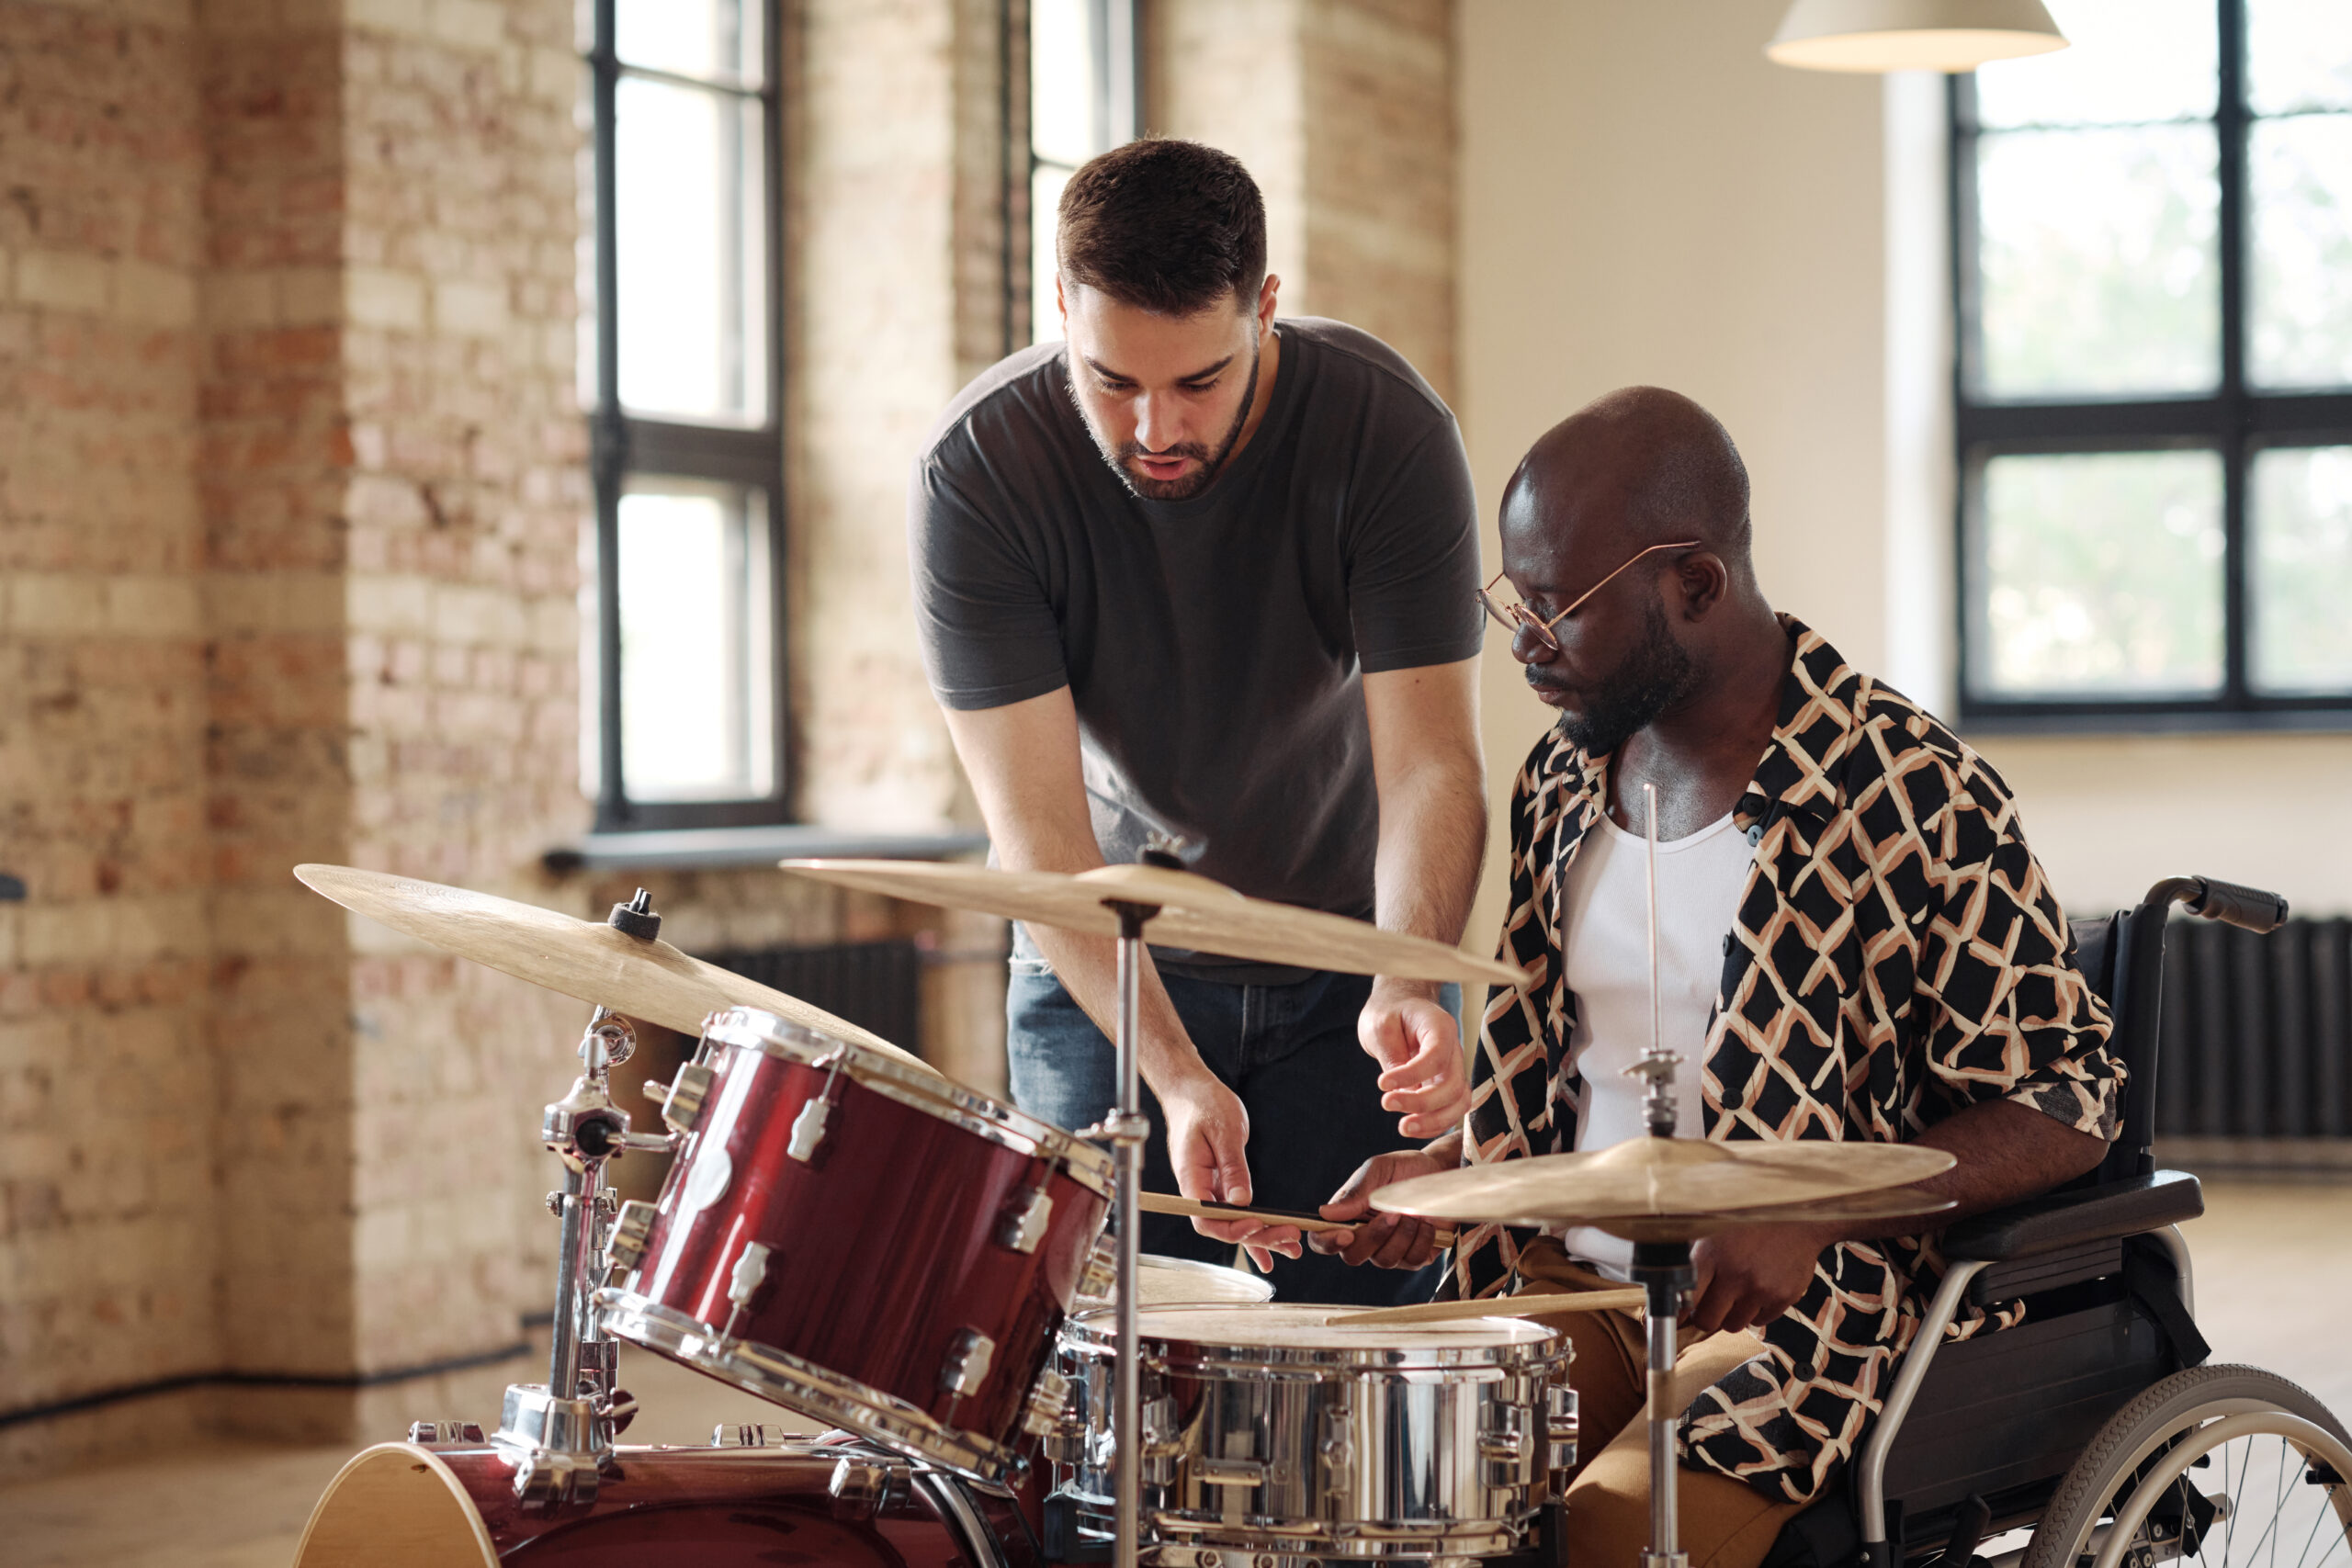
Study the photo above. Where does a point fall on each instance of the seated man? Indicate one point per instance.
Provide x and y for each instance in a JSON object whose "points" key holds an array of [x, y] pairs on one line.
{"points": [[1854, 942]]}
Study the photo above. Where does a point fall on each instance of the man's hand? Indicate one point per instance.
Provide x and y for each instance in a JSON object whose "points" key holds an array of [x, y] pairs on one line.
{"points": [[1208, 1129], [1386, 1241], [1751, 1274], [1420, 1052]]}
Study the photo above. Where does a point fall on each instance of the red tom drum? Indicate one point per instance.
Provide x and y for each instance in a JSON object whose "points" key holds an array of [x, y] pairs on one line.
{"points": [[862, 1241]]}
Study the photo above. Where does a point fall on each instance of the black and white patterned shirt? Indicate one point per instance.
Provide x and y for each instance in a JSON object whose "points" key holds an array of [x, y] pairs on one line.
{"points": [[1896, 958]]}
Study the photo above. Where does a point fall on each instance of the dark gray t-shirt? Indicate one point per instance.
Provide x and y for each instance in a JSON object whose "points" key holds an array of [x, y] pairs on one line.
{"points": [[1214, 648]]}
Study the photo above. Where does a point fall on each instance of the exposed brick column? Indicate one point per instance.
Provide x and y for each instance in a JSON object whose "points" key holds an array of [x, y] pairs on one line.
{"points": [[1343, 110]]}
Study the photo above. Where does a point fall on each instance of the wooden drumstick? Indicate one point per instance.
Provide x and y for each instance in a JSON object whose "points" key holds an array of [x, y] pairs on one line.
{"points": [[1494, 1306], [1197, 1209]]}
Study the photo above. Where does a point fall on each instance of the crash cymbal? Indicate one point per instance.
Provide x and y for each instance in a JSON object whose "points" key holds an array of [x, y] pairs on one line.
{"points": [[1684, 1177], [1851, 1209], [593, 961], [1194, 913]]}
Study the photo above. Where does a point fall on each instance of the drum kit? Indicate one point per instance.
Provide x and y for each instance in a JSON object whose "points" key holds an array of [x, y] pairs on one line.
{"points": [[955, 1288]]}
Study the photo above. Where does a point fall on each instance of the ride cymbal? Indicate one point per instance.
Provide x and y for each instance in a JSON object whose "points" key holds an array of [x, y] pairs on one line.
{"points": [[1194, 913], [1685, 1178], [642, 978]]}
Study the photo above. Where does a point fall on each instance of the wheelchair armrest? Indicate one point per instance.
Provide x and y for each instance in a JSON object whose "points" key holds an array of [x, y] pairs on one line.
{"points": [[2058, 1219]]}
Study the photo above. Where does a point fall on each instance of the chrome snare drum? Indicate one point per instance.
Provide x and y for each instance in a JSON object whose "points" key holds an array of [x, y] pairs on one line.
{"points": [[1268, 1431]]}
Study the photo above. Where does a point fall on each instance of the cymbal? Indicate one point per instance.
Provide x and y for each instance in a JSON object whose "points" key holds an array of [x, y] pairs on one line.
{"points": [[1683, 1177], [1854, 1207], [1194, 913], [585, 959]]}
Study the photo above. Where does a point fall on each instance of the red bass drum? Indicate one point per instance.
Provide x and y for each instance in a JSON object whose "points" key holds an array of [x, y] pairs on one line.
{"points": [[815, 1504], [862, 1241]]}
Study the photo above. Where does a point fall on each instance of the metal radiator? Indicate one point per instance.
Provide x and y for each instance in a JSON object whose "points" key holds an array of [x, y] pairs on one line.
{"points": [[2257, 1032], [876, 984]]}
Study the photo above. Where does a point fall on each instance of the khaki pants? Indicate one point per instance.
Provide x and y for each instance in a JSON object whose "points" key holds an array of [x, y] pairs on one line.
{"points": [[1724, 1523]]}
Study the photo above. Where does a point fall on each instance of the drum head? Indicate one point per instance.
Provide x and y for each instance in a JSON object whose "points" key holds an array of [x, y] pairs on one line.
{"points": [[1169, 1281], [395, 1506], [1294, 1333]]}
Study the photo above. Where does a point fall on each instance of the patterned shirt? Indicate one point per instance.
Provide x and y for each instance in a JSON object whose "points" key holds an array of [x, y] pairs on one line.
{"points": [[1897, 956]]}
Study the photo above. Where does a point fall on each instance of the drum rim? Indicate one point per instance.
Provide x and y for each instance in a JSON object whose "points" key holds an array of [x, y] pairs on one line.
{"points": [[1092, 1332], [770, 1373], [750, 1028]]}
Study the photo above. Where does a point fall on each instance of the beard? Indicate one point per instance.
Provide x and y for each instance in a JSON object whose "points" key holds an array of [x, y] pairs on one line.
{"points": [[1655, 674], [1212, 462]]}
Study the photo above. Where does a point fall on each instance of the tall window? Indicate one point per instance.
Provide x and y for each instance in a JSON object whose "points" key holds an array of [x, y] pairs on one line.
{"points": [[2153, 271], [682, 663], [1084, 99]]}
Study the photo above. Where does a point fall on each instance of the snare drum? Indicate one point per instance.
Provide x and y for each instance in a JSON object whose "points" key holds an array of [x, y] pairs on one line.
{"points": [[1266, 1431], [453, 1506], [863, 1241]]}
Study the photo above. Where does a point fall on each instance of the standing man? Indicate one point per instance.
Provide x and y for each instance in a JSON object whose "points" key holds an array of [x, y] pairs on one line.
{"points": [[1198, 573]]}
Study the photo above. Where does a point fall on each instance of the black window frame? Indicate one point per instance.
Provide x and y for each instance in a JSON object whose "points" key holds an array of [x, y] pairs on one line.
{"points": [[2237, 421], [623, 446]]}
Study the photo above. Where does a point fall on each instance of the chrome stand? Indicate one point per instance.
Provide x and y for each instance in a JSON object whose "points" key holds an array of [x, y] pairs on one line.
{"points": [[1662, 1268], [559, 1434], [1128, 1130]]}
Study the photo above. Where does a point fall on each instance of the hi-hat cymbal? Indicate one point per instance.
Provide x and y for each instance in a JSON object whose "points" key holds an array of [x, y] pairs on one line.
{"points": [[1682, 1177], [1194, 913], [594, 963], [1854, 1208]]}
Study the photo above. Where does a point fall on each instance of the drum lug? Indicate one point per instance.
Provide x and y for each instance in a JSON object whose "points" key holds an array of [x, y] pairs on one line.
{"points": [[682, 1100], [727, 1435], [1506, 1453], [444, 1432], [1160, 1446], [1025, 1219], [625, 1249], [809, 1130], [1102, 1272], [1212, 1471], [1041, 1414], [967, 1367], [863, 1486], [1336, 1448], [1561, 1430]]}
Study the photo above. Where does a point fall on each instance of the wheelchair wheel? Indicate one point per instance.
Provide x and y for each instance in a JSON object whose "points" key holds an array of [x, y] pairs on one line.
{"points": [[2222, 1466]]}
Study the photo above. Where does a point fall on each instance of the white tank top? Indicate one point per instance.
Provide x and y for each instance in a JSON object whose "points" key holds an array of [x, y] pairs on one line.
{"points": [[1604, 932]]}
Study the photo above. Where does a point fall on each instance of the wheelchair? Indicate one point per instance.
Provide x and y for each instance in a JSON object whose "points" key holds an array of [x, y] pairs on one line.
{"points": [[2097, 1424]]}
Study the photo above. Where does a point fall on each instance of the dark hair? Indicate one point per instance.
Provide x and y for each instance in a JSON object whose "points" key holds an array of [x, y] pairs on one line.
{"points": [[1167, 226]]}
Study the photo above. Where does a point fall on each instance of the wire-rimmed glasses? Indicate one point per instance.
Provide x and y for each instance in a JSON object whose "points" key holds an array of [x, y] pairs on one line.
{"points": [[1513, 615]]}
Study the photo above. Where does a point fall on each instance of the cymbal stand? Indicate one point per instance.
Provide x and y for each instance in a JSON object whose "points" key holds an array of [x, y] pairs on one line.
{"points": [[1661, 1268], [1128, 1130]]}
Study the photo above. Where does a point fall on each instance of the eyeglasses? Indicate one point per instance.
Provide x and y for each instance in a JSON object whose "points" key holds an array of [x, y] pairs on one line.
{"points": [[1512, 617]]}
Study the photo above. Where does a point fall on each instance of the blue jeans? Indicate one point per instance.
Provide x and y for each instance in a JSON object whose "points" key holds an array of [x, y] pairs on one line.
{"points": [[1289, 1052]]}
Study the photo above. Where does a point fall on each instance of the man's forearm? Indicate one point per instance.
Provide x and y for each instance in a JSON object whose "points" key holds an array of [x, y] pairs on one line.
{"points": [[2006, 1153], [1432, 840]]}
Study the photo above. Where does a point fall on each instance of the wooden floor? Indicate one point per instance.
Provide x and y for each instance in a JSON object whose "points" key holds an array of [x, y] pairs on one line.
{"points": [[2272, 1275]]}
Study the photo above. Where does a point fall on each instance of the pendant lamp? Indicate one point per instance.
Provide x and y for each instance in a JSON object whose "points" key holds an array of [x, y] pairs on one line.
{"points": [[1911, 35]]}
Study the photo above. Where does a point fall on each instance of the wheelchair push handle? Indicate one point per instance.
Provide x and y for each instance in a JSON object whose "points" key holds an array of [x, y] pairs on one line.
{"points": [[2249, 908]]}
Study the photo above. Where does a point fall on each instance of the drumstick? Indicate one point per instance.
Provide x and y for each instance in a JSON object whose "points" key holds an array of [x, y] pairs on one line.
{"points": [[1502, 1306], [1198, 1209]]}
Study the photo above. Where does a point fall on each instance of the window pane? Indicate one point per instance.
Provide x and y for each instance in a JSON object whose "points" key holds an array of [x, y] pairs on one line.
{"points": [[2300, 297], [1045, 195], [714, 39], [2102, 575], [693, 254], [2301, 516], [697, 655], [2098, 261], [2131, 60], [1065, 86], [2299, 55]]}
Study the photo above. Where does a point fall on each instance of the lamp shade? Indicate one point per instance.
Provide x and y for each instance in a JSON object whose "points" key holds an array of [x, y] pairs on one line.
{"points": [[1911, 35]]}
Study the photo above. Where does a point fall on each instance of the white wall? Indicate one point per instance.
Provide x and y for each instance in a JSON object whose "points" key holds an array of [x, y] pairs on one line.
{"points": [[1643, 197]]}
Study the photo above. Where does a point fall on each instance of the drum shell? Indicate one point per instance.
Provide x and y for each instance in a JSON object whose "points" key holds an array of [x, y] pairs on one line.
{"points": [[1414, 1453], [889, 1244], [656, 1508]]}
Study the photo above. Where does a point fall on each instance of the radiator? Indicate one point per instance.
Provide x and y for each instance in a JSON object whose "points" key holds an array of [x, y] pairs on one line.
{"points": [[2257, 1032], [876, 984]]}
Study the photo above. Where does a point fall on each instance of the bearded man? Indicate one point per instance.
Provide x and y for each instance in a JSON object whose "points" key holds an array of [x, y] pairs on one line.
{"points": [[1201, 573], [1854, 943]]}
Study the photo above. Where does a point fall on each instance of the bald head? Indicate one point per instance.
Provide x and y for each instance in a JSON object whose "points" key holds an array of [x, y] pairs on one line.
{"points": [[1639, 467]]}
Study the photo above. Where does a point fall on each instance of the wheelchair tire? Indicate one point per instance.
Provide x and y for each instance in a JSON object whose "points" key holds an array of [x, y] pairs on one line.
{"points": [[2137, 1465]]}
